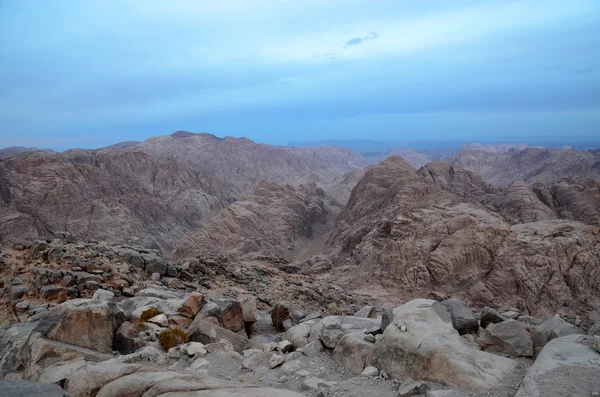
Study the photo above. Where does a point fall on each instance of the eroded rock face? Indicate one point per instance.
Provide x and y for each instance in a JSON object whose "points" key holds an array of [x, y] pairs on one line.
{"points": [[430, 349], [83, 322], [437, 230]]}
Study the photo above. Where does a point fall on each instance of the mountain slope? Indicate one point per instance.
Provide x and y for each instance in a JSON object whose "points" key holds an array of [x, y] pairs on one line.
{"points": [[243, 163], [275, 221], [120, 196], [442, 229], [532, 165]]}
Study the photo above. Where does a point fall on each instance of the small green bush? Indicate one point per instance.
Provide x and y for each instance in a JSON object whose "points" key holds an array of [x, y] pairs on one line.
{"points": [[172, 337], [148, 314]]}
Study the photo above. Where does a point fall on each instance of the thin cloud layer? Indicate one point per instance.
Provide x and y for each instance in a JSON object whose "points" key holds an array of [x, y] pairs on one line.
{"points": [[276, 71]]}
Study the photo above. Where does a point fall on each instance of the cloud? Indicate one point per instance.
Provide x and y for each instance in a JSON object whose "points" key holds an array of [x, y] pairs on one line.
{"points": [[360, 40]]}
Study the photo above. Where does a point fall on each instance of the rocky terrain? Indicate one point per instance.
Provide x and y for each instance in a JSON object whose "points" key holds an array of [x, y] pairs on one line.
{"points": [[17, 150], [190, 265], [532, 165], [125, 196]]}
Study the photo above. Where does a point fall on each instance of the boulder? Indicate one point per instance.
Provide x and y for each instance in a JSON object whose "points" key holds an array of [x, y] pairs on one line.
{"points": [[285, 346], [332, 328], [158, 293], [191, 305], [311, 316], [566, 366], [352, 351], [280, 313], [209, 309], [299, 334], [249, 312], [154, 264], [196, 348], [596, 343], [313, 349], [25, 388], [232, 315], [160, 319], [11, 344], [103, 295], [366, 312], [431, 349], [18, 292], [490, 316], [205, 332], [126, 338], [276, 360], [370, 372], [553, 328], [463, 319], [83, 322], [410, 387], [386, 318], [297, 315], [507, 337]]}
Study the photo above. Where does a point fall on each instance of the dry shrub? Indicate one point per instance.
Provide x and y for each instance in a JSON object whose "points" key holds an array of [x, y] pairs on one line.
{"points": [[172, 337], [149, 313]]}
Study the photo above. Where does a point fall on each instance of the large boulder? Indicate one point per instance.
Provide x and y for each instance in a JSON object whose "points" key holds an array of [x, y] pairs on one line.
{"points": [[206, 332], [566, 366], [281, 312], [352, 351], [333, 328], [191, 305], [553, 328], [298, 334], [420, 344], [507, 337], [83, 322], [490, 316], [366, 312], [11, 343], [232, 315], [463, 319]]}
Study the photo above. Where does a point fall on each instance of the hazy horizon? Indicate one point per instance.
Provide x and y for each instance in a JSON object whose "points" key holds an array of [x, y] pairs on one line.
{"points": [[91, 74]]}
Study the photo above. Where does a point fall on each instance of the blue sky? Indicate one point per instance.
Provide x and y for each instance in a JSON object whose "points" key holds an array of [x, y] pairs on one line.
{"points": [[90, 73]]}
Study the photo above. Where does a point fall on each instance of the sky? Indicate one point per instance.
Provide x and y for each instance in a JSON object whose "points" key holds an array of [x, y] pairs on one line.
{"points": [[92, 73]]}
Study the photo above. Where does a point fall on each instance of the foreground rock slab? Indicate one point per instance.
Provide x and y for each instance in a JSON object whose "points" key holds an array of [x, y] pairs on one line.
{"points": [[430, 349], [22, 388], [566, 366]]}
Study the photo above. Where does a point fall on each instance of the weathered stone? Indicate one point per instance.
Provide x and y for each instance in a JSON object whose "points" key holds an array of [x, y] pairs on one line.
{"points": [[180, 321], [191, 305], [18, 292], [410, 387], [232, 316], [431, 349], [103, 295], [490, 316], [332, 328], [463, 319], [280, 313], [553, 328], [297, 315], [352, 351], [196, 349], [370, 372], [83, 322], [312, 316], [566, 366], [366, 312], [253, 358], [158, 293], [313, 349], [205, 332], [52, 292], [125, 338], [209, 309], [221, 346], [11, 344], [595, 329], [160, 320], [299, 334], [287, 324], [285, 346], [507, 337], [24, 388], [596, 343], [276, 360], [155, 277], [248, 303], [386, 318], [154, 264]]}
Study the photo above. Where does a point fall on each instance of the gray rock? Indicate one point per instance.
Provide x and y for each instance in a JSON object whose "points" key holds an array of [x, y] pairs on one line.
{"points": [[507, 337], [490, 316], [553, 328], [297, 315], [463, 319], [313, 349], [158, 293], [332, 328], [312, 316], [18, 292], [103, 295], [411, 387], [299, 334], [370, 372], [566, 366], [155, 264], [232, 314], [279, 314], [207, 333], [386, 318], [352, 351], [366, 312], [24, 388], [595, 330], [276, 360], [125, 338]]}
